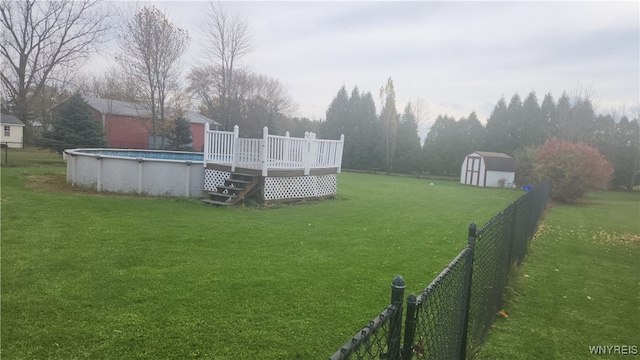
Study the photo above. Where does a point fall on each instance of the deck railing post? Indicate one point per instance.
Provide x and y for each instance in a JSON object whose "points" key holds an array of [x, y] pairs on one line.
{"points": [[235, 151], [207, 139], [306, 157], [339, 153], [285, 156], [265, 150]]}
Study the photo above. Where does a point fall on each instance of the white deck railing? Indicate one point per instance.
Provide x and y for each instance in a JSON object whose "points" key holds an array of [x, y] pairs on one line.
{"points": [[271, 152]]}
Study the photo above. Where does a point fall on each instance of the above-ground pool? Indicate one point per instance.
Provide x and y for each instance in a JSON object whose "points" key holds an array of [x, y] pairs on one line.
{"points": [[151, 172]]}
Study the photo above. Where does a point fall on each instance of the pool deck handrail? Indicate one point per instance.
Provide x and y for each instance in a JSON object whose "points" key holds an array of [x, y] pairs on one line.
{"points": [[272, 152]]}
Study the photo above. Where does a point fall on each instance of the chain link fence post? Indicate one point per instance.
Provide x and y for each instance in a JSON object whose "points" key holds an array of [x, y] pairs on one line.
{"points": [[409, 327], [469, 272], [395, 325]]}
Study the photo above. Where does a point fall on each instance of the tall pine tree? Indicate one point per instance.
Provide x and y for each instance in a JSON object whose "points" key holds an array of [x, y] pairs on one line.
{"points": [[408, 150]]}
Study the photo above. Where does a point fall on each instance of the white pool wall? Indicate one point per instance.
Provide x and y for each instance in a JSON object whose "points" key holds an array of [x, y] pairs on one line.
{"points": [[139, 175]]}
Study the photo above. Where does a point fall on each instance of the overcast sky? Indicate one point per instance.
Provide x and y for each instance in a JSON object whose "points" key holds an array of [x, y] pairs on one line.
{"points": [[457, 56]]}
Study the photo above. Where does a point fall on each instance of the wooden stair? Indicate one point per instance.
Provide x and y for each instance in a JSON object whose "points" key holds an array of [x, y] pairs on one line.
{"points": [[234, 190]]}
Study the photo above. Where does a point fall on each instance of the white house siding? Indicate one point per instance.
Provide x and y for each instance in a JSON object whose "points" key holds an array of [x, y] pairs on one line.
{"points": [[14, 140]]}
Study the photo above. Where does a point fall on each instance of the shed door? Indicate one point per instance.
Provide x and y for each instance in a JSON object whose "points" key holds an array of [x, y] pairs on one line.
{"points": [[472, 177]]}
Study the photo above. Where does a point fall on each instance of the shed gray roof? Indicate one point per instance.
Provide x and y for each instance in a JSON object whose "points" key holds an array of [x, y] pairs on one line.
{"points": [[497, 161], [6, 119], [125, 108]]}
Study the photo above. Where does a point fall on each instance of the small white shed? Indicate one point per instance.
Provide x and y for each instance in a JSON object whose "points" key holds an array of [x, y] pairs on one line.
{"points": [[488, 169]]}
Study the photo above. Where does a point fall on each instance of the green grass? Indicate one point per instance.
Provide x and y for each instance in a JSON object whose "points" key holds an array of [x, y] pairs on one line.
{"points": [[578, 287], [89, 276], [30, 157]]}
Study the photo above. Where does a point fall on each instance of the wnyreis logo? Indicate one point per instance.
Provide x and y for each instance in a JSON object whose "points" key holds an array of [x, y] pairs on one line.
{"points": [[613, 350]]}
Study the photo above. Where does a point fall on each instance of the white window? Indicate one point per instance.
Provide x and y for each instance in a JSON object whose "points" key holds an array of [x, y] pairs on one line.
{"points": [[7, 131]]}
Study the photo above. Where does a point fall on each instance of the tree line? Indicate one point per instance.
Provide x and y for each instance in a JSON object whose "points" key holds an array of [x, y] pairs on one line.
{"points": [[389, 140]]}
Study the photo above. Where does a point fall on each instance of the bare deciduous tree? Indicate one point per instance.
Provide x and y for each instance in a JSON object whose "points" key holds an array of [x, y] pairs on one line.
{"points": [[254, 100], [423, 116], [151, 49], [40, 39], [228, 39], [113, 84]]}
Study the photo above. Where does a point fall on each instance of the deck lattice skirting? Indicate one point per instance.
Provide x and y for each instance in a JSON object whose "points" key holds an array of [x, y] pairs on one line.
{"points": [[214, 178], [289, 168], [300, 187]]}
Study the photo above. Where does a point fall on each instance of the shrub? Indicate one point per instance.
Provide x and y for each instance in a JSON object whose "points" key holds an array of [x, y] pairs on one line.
{"points": [[73, 126], [525, 159], [573, 168]]}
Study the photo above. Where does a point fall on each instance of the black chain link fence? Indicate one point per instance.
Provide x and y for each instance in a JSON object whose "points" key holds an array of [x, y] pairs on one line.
{"points": [[381, 337], [452, 316], [440, 313]]}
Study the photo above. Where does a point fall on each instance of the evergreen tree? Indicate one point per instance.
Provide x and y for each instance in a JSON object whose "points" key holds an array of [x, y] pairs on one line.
{"points": [[441, 147], [532, 122], [408, 150], [515, 125], [472, 134], [366, 137], [604, 137], [180, 137], [549, 116], [498, 128], [73, 126], [562, 120], [582, 120], [626, 159], [389, 122], [337, 115]]}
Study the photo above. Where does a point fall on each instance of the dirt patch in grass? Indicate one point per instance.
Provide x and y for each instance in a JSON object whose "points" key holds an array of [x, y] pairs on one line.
{"points": [[58, 183], [49, 183]]}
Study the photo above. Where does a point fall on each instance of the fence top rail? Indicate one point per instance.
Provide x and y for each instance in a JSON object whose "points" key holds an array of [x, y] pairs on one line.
{"points": [[363, 335], [444, 274], [287, 138]]}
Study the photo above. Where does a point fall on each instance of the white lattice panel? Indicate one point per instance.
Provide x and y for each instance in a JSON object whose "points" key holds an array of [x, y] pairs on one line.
{"points": [[214, 178], [298, 187], [327, 185]]}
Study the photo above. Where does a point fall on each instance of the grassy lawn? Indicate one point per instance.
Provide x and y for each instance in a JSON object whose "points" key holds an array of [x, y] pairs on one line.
{"points": [[109, 277], [579, 286]]}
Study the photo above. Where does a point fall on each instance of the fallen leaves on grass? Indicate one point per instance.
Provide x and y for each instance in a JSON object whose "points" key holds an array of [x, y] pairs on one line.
{"points": [[609, 238], [503, 314], [602, 236]]}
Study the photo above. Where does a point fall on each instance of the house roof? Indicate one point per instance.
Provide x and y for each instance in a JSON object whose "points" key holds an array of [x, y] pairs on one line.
{"points": [[497, 161], [117, 107], [197, 118], [125, 108], [6, 119]]}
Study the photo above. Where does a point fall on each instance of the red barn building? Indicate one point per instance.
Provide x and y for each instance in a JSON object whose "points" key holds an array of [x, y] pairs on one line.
{"points": [[128, 125]]}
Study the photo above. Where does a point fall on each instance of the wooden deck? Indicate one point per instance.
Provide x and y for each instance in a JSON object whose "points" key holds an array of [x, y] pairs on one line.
{"points": [[274, 172], [280, 168]]}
